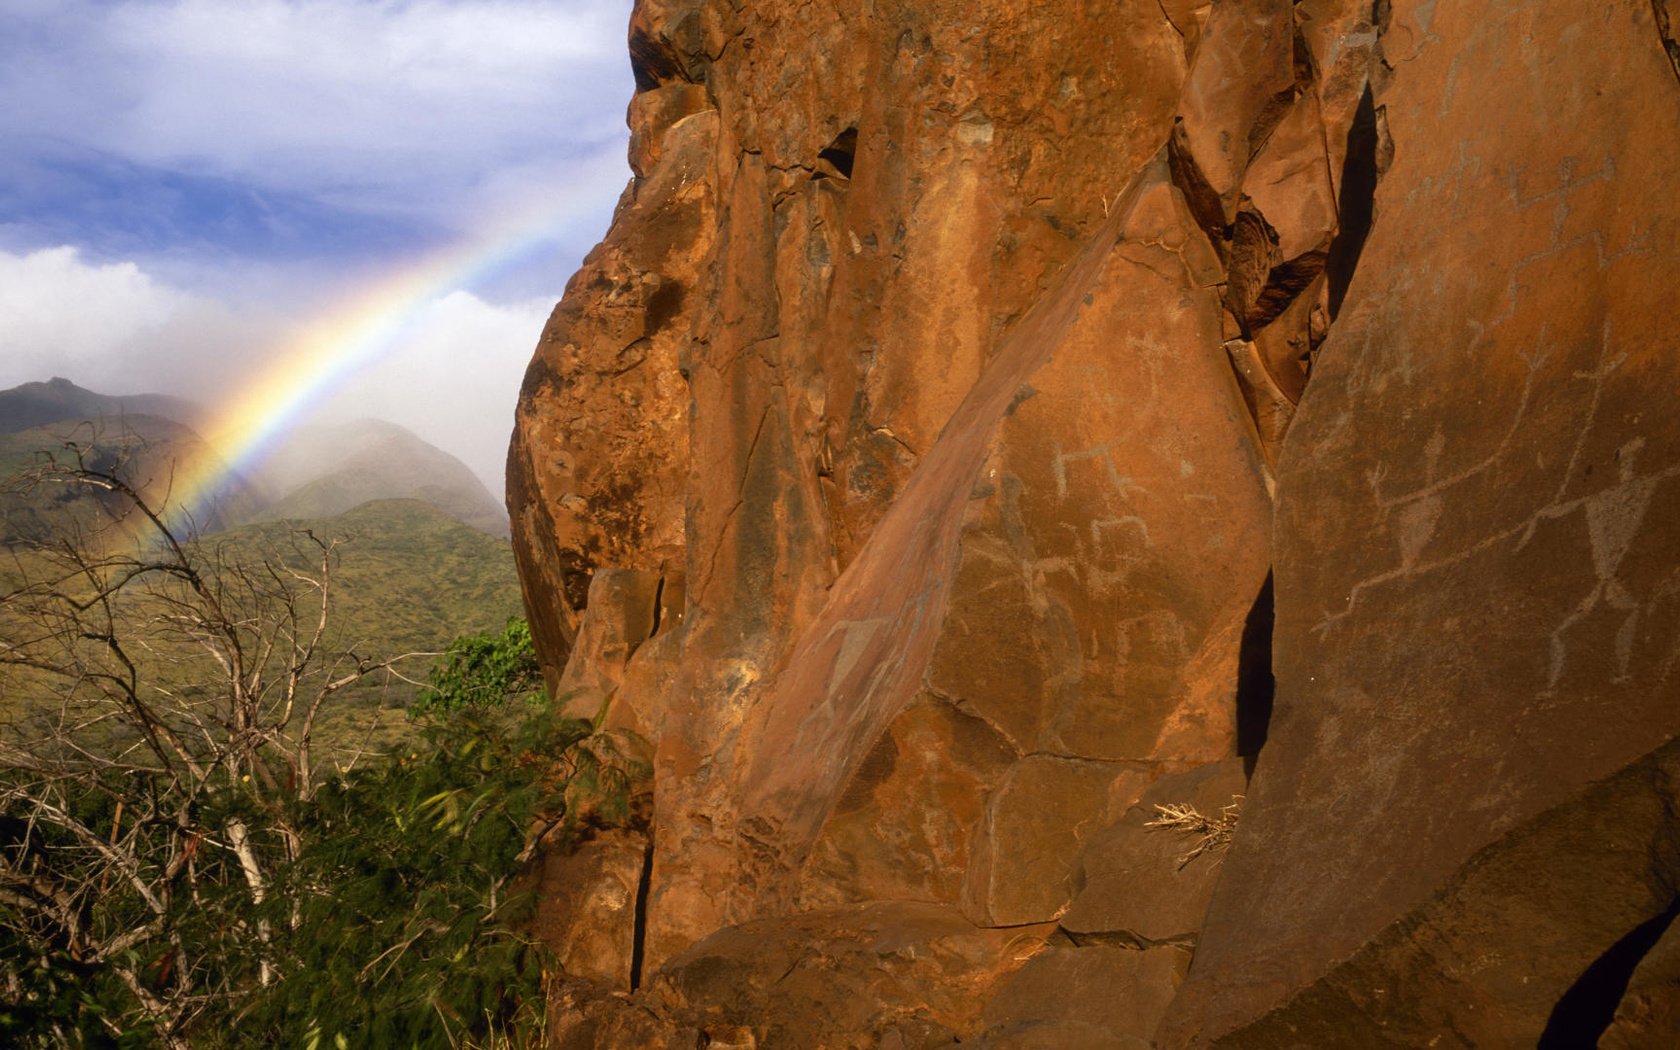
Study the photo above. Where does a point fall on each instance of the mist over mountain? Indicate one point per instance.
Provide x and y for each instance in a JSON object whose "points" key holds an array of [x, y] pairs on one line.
{"points": [[316, 472], [327, 470]]}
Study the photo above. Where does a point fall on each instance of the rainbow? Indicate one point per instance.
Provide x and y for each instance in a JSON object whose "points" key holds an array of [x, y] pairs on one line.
{"points": [[353, 335]]}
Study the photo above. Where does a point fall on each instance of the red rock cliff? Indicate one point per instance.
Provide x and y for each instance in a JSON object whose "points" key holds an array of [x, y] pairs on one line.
{"points": [[986, 422]]}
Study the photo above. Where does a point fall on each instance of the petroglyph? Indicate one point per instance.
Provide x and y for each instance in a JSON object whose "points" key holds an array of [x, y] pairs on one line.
{"points": [[1417, 525], [1614, 517], [1130, 522], [1620, 506], [1122, 484], [1419, 510]]}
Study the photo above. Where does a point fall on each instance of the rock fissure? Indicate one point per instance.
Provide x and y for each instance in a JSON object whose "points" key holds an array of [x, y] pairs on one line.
{"points": [[1010, 522], [1128, 940], [638, 951], [1670, 44], [1588, 1008], [1356, 203], [969, 710]]}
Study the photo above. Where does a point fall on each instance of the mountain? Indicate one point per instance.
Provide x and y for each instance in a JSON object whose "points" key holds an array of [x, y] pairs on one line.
{"points": [[1178, 505], [37, 404], [144, 450], [327, 470], [315, 472]]}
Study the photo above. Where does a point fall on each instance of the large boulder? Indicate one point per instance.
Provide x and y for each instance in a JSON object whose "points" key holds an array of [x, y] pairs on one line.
{"points": [[986, 423], [1477, 550]]}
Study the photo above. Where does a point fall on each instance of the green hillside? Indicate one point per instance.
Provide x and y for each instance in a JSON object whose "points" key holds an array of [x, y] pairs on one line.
{"points": [[410, 577], [406, 578], [144, 450]]}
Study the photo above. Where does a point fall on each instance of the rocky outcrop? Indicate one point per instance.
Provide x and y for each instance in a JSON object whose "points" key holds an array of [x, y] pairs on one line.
{"points": [[971, 410]]}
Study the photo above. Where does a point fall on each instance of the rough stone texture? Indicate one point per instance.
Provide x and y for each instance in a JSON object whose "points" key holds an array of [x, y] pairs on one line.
{"points": [[1103, 674], [911, 820], [1135, 883], [1057, 1035], [1448, 972], [972, 408], [626, 607], [586, 906], [1648, 1015], [1120, 992], [895, 974], [1023, 870], [600, 445], [1478, 562]]}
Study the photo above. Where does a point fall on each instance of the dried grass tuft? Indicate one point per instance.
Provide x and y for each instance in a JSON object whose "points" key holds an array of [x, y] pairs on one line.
{"points": [[1186, 819]]}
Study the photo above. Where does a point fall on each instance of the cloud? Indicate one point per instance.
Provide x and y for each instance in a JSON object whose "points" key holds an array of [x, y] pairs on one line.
{"points": [[452, 376], [301, 120], [345, 100], [58, 195], [225, 171], [63, 315]]}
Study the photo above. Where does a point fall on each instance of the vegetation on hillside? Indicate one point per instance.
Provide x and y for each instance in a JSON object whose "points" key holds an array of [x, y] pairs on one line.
{"points": [[180, 865], [143, 450], [483, 670], [410, 579], [415, 578]]}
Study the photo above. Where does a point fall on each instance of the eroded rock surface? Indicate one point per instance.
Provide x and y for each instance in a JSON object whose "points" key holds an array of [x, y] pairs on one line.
{"points": [[971, 409]]}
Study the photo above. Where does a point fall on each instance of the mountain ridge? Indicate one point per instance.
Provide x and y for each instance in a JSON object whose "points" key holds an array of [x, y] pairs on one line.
{"points": [[316, 471], [55, 400]]}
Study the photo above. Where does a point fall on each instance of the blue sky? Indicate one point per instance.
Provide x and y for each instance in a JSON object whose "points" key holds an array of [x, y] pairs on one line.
{"points": [[182, 181]]}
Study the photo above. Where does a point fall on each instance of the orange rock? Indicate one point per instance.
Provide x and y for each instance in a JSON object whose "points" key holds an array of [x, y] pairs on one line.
{"points": [[1476, 541], [586, 906], [905, 463]]}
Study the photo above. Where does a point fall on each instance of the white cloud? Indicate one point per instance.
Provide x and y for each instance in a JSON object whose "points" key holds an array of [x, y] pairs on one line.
{"points": [[452, 377], [117, 329], [60, 315], [440, 114], [375, 105]]}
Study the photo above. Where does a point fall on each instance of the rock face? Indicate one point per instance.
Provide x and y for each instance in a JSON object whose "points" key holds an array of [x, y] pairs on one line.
{"points": [[971, 410]]}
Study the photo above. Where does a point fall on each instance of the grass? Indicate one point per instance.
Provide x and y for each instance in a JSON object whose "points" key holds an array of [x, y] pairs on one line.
{"points": [[1214, 833]]}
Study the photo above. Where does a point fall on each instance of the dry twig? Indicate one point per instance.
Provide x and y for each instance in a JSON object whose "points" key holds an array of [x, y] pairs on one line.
{"points": [[1184, 818]]}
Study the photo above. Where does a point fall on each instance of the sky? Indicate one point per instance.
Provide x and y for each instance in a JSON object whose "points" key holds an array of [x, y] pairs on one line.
{"points": [[188, 187]]}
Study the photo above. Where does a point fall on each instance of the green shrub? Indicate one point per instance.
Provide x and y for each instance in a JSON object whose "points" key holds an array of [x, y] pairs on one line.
{"points": [[484, 670], [396, 926], [392, 914]]}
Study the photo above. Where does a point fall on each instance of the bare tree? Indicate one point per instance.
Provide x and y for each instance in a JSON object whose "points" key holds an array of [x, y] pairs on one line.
{"points": [[161, 698]]}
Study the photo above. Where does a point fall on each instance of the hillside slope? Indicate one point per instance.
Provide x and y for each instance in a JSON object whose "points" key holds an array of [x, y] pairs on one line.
{"points": [[413, 577], [406, 578], [145, 450]]}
